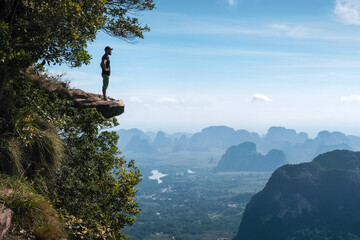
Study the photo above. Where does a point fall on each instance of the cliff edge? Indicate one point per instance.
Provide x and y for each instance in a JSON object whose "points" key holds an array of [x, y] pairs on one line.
{"points": [[108, 109], [82, 99]]}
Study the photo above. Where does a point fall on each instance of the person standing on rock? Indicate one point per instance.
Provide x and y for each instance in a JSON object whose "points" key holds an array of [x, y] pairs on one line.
{"points": [[105, 67]]}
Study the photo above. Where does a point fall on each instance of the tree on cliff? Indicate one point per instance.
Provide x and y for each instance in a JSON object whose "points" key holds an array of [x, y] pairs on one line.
{"points": [[63, 151], [69, 158], [58, 31]]}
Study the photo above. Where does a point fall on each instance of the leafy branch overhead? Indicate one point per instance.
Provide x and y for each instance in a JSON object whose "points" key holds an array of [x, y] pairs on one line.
{"points": [[57, 32]]}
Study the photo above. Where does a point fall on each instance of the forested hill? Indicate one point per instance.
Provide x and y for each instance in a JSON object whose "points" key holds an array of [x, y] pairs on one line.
{"points": [[316, 200]]}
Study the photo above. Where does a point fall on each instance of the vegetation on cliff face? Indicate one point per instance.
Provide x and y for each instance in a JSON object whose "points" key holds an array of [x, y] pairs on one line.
{"points": [[66, 155], [32, 211]]}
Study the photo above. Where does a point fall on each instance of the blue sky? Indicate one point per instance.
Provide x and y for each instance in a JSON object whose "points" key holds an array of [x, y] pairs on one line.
{"points": [[247, 64]]}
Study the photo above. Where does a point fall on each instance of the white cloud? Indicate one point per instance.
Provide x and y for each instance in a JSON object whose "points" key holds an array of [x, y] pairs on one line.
{"points": [[348, 11], [169, 100], [260, 97], [231, 2], [135, 100], [350, 98]]}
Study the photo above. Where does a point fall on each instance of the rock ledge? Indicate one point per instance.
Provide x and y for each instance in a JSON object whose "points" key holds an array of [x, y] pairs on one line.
{"points": [[108, 109]]}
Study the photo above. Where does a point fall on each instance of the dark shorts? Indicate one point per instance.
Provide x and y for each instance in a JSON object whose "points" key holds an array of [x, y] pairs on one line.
{"points": [[105, 81]]}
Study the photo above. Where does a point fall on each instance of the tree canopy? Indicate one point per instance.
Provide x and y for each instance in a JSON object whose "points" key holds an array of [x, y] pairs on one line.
{"points": [[58, 31]]}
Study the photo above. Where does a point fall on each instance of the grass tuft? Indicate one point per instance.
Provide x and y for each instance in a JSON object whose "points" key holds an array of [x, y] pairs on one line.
{"points": [[10, 157], [32, 211], [40, 153]]}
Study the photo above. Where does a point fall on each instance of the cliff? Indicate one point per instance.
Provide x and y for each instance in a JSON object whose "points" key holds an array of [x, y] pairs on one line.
{"points": [[244, 157], [316, 200], [108, 109], [82, 99]]}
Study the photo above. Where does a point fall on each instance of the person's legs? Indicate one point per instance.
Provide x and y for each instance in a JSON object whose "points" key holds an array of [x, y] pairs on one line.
{"points": [[104, 93], [105, 85]]}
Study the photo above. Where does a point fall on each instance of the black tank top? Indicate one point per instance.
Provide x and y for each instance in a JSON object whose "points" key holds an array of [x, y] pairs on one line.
{"points": [[107, 64]]}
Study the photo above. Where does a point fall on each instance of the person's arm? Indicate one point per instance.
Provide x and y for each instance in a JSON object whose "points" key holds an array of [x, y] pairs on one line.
{"points": [[103, 64]]}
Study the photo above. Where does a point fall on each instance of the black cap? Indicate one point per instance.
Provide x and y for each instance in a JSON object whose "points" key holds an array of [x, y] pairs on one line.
{"points": [[108, 48]]}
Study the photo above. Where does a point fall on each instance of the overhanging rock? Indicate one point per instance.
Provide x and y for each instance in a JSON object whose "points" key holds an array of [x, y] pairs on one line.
{"points": [[108, 109]]}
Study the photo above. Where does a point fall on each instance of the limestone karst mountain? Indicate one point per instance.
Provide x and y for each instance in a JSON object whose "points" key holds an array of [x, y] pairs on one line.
{"points": [[215, 137], [137, 144], [315, 200], [297, 146], [244, 157], [125, 136], [162, 141], [281, 134]]}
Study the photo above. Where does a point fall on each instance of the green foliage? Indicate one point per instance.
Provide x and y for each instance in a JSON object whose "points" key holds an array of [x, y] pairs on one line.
{"points": [[56, 32], [41, 133], [69, 155], [120, 18], [39, 150], [4, 39], [94, 179], [10, 157], [29, 142], [78, 230], [32, 211]]}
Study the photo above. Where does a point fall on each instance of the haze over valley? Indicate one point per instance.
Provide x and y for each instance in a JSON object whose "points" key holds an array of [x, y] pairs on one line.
{"points": [[197, 186]]}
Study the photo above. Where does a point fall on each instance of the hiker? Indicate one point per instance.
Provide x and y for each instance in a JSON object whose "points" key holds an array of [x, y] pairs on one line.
{"points": [[105, 67]]}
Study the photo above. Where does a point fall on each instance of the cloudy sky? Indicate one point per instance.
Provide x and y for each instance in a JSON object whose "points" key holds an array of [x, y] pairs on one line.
{"points": [[247, 64]]}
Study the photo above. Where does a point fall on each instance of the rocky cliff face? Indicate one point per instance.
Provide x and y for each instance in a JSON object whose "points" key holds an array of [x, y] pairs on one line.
{"points": [[5, 220], [82, 99], [108, 109], [316, 200]]}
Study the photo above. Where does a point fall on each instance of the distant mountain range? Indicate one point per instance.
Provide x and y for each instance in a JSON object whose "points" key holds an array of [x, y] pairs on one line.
{"points": [[298, 147], [315, 200], [244, 157]]}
